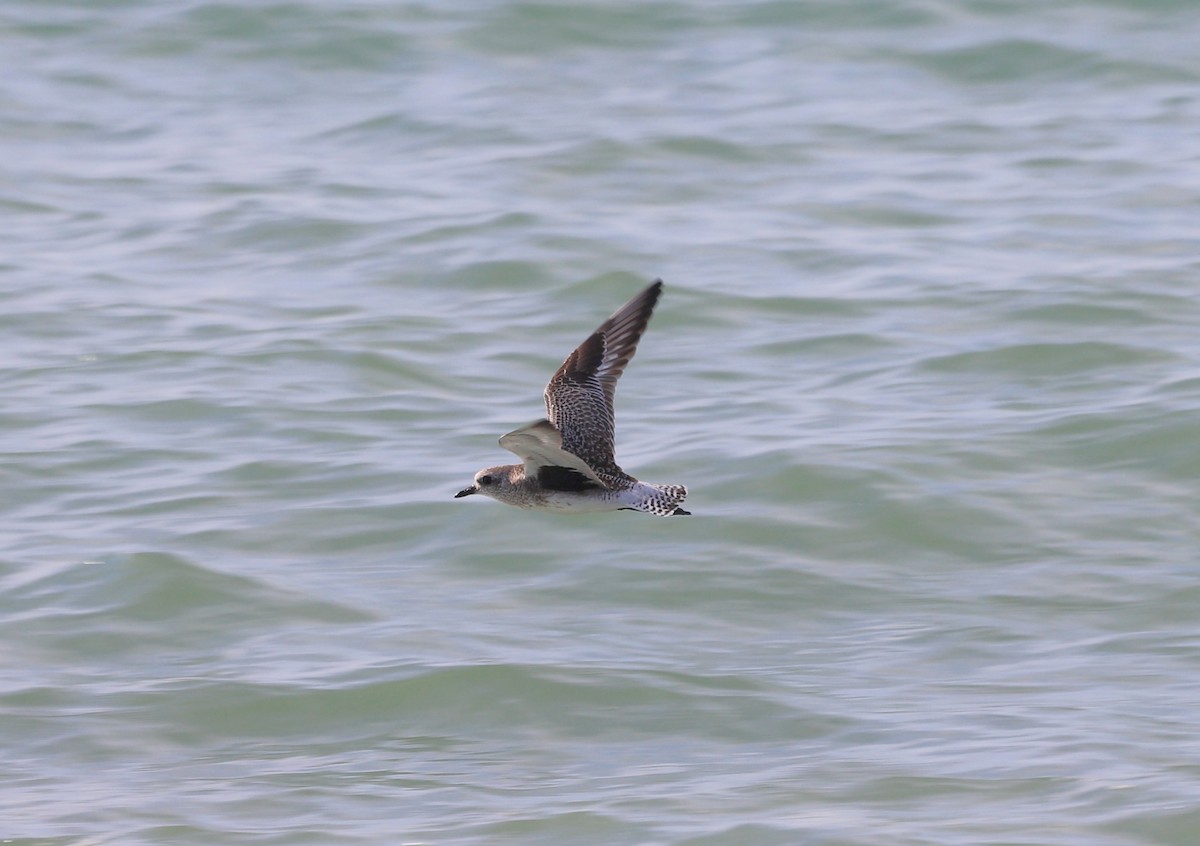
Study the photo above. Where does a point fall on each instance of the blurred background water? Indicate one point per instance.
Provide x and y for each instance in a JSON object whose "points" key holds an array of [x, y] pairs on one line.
{"points": [[275, 276]]}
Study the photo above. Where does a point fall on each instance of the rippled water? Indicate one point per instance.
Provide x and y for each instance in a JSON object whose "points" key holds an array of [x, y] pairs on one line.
{"points": [[274, 278]]}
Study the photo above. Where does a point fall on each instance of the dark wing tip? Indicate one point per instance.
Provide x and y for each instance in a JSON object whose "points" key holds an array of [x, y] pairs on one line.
{"points": [[651, 294], [614, 341], [583, 363], [624, 328], [579, 396]]}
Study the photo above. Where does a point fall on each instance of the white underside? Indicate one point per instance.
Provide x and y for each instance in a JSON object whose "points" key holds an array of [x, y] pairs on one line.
{"points": [[584, 502], [639, 497]]}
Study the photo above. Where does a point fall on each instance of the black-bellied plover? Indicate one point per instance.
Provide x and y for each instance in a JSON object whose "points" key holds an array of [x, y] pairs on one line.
{"points": [[568, 459]]}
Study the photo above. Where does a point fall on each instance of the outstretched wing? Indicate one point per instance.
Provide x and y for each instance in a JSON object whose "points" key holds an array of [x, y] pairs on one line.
{"points": [[540, 446], [579, 398]]}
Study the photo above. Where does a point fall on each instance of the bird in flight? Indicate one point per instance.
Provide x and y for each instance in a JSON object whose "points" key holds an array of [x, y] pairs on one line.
{"points": [[568, 463]]}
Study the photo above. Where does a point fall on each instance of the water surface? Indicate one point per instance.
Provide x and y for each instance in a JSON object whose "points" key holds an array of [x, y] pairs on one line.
{"points": [[275, 277]]}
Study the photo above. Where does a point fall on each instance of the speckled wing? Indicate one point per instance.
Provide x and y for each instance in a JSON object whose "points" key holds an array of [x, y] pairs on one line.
{"points": [[539, 446], [579, 398]]}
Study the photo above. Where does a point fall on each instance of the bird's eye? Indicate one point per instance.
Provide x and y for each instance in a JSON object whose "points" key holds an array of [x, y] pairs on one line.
{"points": [[485, 480]]}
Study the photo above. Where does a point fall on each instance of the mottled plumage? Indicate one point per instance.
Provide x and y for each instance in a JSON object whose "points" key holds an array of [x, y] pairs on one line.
{"points": [[568, 459]]}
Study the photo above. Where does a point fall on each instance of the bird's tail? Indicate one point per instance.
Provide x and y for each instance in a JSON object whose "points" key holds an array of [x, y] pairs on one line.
{"points": [[663, 500]]}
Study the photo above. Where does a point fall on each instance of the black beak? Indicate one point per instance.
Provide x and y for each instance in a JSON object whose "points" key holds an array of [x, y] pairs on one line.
{"points": [[466, 492]]}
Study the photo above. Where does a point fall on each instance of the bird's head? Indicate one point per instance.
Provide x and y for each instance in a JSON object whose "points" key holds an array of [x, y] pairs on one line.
{"points": [[492, 481]]}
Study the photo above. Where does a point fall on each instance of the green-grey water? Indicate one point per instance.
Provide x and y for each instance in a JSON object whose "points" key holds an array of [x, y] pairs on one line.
{"points": [[274, 277]]}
